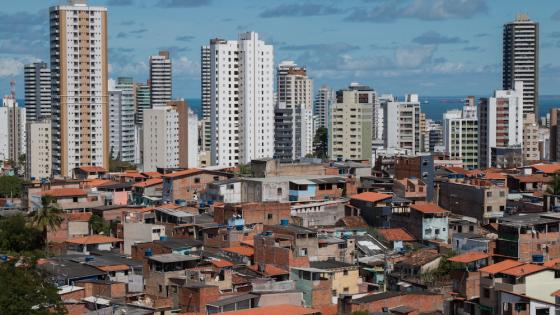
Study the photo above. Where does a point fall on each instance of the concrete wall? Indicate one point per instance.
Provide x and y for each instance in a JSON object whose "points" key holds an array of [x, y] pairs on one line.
{"points": [[541, 285], [140, 233]]}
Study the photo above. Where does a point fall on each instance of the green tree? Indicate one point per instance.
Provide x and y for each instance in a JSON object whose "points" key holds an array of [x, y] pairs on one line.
{"points": [[16, 235], [321, 143], [554, 185], [120, 166], [25, 291], [98, 225], [49, 216], [10, 186]]}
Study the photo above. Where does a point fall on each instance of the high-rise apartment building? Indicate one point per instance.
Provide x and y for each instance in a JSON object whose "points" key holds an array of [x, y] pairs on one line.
{"points": [[242, 100], [531, 151], [143, 100], [352, 123], [500, 123], [460, 134], [324, 99], [12, 129], [402, 124], [79, 67], [293, 114], [39, 150], [521, 60], [170, 136], [121, 120], [37, 78], [161, 86], [205, 94]]}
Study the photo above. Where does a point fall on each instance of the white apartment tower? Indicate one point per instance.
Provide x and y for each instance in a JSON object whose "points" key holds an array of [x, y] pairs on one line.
{"points": [[402, 123], [460, 135], [500, 120], [293, 114], [161, 138], [37, 78], [521, 60], [160, 79], [121, 118], [79, 67], [324, 99], [39, 150], [12, 129], [242, 100], [205, 92]]}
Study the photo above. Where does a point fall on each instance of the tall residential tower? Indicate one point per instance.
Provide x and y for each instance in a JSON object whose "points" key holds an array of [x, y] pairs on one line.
{"points": [[79, 68], [37, 91], [161, 85]]}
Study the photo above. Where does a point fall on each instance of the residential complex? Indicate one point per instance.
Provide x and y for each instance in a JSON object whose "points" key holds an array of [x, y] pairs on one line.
{"points": [[405, 130], [460, 135], [352, 123], [39, 150], [12, 129], [242, 100], [121, 118], [161, 82], [80, 97]]}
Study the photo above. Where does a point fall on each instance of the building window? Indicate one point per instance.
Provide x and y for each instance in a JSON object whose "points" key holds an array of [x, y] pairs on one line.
{"points": [[197, 180], [279, 191], [345, 272], [486, 293], [488, 194], [269, 216], [346, 290], [333, 292], [489, 209]]}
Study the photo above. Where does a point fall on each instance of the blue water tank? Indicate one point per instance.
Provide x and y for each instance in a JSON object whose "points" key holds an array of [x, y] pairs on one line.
{"points": [[284, 222], [89, 258], [538, 259], [148, 252], [163, 238]]}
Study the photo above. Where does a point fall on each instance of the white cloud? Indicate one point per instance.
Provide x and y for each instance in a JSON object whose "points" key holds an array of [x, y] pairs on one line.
{"points": [[11, 67], [413, 57], [185, 66]]}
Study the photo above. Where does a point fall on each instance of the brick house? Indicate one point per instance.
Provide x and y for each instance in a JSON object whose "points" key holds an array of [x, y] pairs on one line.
{"points": [[186, 184], [401, 302]]}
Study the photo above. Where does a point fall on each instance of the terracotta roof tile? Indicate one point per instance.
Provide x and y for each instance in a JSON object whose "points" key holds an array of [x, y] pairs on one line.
{"points": [[523, 270], [152, 174], [98, 182], [182, 173], [547, 168], [241, 250], [552, 263], [64, 192], [269, 270], [428, 208], [353, 222], [149, 182], [469, 257], [250, 243], [396, 234], [93, 239], [281, 309], [220, 263], [501, 266], [371, 196], [131, 174], [535, 178]]}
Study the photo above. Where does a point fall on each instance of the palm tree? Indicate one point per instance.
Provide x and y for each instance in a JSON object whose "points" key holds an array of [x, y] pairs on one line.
{"points": [[49, 216]]}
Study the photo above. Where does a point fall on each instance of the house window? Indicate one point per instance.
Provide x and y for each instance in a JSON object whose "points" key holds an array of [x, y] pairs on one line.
{"points": [[333, 292], [75, 199], [279, 191], [488, 194], [346, 289], [160, 288], [556, 274], [437, 231], [197, 180], [502, 208], [471, 228], [489, 209], [345, 273], [428, 231], [269, 216], [486, 293]]}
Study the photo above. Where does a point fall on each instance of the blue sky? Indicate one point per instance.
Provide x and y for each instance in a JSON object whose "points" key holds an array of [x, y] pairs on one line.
{"points": [[430, 47]]}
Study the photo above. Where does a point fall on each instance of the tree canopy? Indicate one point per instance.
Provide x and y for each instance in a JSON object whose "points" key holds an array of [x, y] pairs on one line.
{"points": [[16, 235], [321, 143], [10, 186], [25, 291]]}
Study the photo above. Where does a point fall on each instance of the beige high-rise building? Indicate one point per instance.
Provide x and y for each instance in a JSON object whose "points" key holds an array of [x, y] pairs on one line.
{"points": [[531, 152], [352, 123], [39, 150], [79, 69]]}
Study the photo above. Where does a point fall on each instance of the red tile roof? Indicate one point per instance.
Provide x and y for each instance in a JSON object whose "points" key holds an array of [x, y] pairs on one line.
{"points": [[64, 192], [371, 196], [269, 270], [469, 257], [220, 263], [92, 169], [182, 173], [152, 174], [280, 309], [99, 182], [250, 243], [353, 222], [428, 208], [501, 266], [241, 250], [93, 239], [131, 174], [494, 176], [552, 263], [150, 182], [535, 178], [523, 270], [396, 234], [547, 168]]}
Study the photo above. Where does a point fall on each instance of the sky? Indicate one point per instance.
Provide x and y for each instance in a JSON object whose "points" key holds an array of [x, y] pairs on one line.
{"points": [[429, 47]]}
